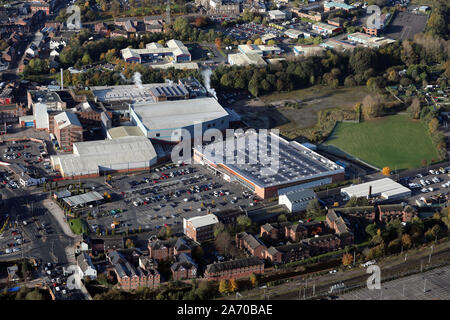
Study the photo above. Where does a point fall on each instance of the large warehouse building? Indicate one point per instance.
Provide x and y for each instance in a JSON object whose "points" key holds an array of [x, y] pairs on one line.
{"points": [[384, 188], [156, 52], [298, 167], [159, 120], [94, 158]]}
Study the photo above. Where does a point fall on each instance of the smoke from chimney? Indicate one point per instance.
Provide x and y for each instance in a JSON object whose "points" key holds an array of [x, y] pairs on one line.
{"points": [[207, 77]]}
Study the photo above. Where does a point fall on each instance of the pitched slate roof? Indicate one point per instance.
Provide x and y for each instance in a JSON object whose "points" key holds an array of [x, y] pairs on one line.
{"points": [[234, 264]]}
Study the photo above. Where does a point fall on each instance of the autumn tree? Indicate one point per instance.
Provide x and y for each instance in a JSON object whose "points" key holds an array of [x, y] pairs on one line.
{"points": [[224, 286], [386, 171], [372, 106], [218, 42], [254, 279], [414, 109], [233, 285], [129, 243], [347, 259], [406, 241]]}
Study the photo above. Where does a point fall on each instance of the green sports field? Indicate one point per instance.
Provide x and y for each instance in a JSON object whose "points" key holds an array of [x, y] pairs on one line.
{"points": [[393, 141]]}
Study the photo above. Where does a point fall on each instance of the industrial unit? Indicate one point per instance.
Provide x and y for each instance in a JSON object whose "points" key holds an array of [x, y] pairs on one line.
{"points": [[156, 52], [93, 158], [297, 166], [297, 200], [160, 121], [151, 92], [385, 188]]}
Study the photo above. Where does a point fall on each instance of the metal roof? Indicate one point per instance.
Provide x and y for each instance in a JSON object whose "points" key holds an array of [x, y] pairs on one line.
{"points": [[294, 162], [201, 221], [383, 187], [178, 113], [84, 198]]}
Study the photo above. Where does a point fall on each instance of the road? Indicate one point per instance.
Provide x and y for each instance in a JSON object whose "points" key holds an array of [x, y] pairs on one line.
{"points": [[21, 205]]}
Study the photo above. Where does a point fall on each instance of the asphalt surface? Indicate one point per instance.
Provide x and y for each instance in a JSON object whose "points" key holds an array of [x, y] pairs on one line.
{"points": [[157, 213]]}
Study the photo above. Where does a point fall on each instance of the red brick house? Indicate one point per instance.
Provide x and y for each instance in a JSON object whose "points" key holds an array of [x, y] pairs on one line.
{"points": [[389, 212], [130, 277], [234, 269], [184, 267], [251, 244], [288, 253], [268, 231], [295, 232], [165, 250]]}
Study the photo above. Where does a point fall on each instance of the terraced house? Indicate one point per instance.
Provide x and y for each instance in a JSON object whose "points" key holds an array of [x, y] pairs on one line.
{"points": [[234, 269]]}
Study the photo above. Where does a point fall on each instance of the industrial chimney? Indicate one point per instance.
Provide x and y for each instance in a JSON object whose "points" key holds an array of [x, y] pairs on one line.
{"points": [[62, 79], [370, 192]]}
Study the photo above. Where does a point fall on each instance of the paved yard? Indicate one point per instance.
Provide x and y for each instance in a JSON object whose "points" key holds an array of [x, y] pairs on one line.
{"points": [[436, 284]]}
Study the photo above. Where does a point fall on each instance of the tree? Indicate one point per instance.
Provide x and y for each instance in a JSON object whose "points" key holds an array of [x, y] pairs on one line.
{"points": [[347, 259], [314, 209], [362, 59], [386, 171], [433, 126], [218, 42], [394, 246], [406, 241], [223, 242], [357, 202], [282, 218], [372, 106], [254, 280], [224, 286], [244, 222], [218, 228], [233, 285], [129, 244], [371, 229], [414, 109]]}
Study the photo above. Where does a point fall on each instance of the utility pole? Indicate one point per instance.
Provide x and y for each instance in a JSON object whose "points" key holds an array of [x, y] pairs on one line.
{"points": [[403, 290], [406, 256], [429, 258], [354, 258], [425, 286], [421, 266]]}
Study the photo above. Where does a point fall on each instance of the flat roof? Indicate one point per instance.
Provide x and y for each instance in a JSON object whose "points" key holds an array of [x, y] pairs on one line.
{"points": [[65, 119], [83, 198], [382, 187], [145, 93], [178, 113], [89, 156], [201, 221], [295, 161], [124, 131]]}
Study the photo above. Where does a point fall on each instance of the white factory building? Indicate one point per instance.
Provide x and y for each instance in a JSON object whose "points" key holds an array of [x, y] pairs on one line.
{"points": [[297, 200], [159, 121], [94, 158], [385, 188]]}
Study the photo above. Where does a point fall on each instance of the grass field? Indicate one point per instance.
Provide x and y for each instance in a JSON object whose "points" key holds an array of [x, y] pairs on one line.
{"points": [[78, 226], [394, 141]]}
